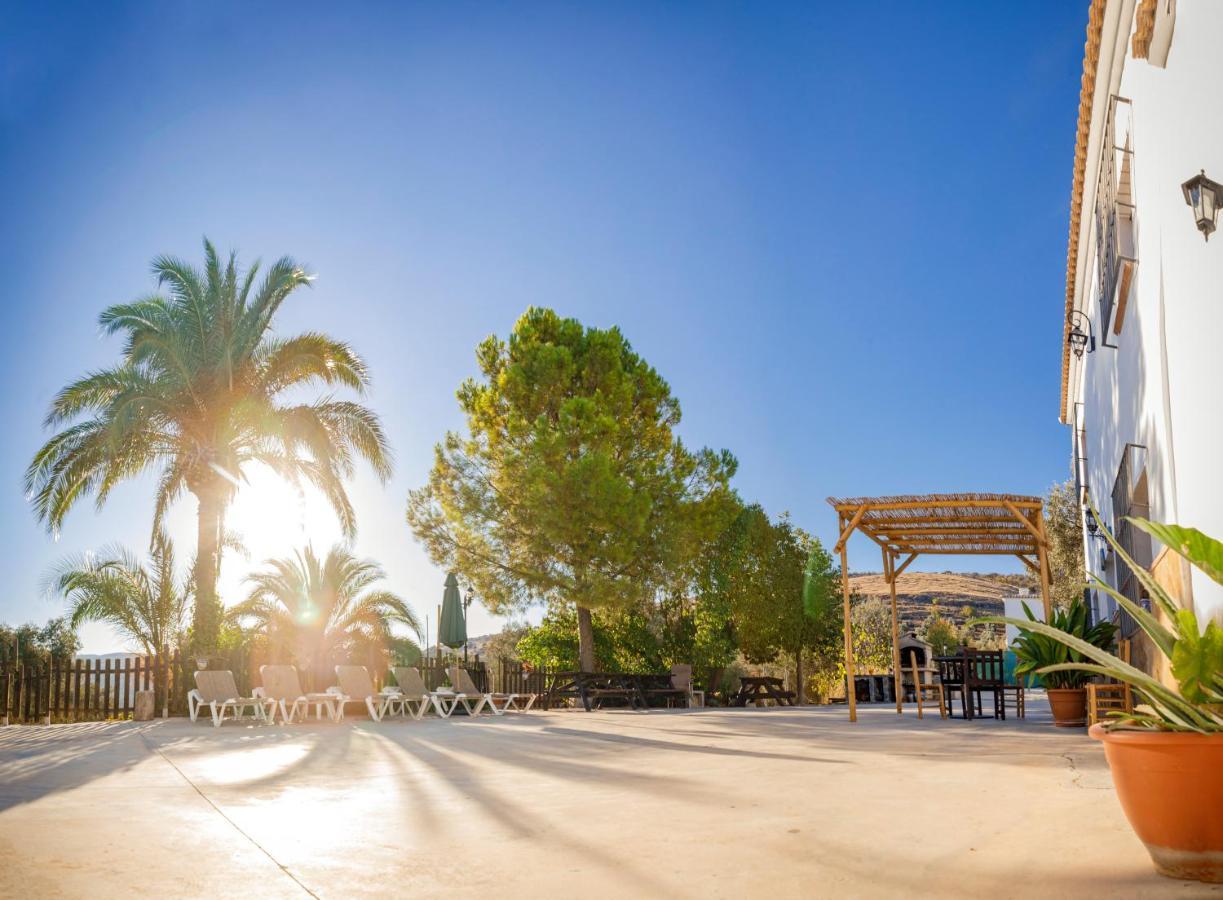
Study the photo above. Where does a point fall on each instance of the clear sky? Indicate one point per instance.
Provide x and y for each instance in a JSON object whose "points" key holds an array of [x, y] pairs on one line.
{"points": [[838, 230]]}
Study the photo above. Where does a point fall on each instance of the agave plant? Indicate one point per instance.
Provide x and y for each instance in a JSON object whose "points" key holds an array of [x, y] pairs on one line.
{"points": [[1196, 655], [1038, 653]]}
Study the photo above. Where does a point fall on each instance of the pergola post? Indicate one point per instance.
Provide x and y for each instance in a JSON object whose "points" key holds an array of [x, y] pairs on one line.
{"points": [[1042, 551], [889, 571], [851, 694]]}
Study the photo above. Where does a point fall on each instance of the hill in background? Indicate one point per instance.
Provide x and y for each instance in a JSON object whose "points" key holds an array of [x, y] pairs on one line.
{"points": [[916, 592]]}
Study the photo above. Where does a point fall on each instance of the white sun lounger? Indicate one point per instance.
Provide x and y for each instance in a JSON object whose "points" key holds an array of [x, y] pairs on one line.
{"points": [[282, 686], [355, 685], [462, 681], [414, 699], [216, 689]]}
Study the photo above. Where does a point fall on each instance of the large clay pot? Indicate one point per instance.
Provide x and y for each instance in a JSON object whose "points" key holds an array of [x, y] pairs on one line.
{"points": [[1170, 785], [1069, 706]]}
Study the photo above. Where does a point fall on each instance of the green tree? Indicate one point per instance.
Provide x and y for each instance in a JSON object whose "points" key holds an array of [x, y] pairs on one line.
{"points": [[1064, 528], [325, 611], [146, 604], [504, 645], [570, 486], [200, 392], [56, 639], [940, 633], [764, 568], [871, 625]]}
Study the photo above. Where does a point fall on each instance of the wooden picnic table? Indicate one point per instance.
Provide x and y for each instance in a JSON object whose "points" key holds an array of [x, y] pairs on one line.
{"points": [[592, 688], [754, 688]]}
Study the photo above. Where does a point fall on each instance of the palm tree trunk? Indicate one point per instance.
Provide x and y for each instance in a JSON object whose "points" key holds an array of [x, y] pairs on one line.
{"points": [[206, 619], [800, 687], [586, 641]]}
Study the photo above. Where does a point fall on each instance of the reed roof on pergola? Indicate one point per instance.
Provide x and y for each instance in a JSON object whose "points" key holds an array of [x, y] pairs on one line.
{"points": [[1007, 524]]}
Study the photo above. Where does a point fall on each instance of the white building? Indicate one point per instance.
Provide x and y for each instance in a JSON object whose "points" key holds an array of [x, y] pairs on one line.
{"points": [[1012, 607], [1144, 288]]}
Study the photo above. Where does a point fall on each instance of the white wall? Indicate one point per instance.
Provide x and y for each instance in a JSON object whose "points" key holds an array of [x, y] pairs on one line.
{"points": [[1012, 605], [1168, 401]]}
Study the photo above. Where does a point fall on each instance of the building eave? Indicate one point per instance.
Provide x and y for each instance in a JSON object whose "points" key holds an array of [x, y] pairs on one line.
{"points": [[1087, 91]]}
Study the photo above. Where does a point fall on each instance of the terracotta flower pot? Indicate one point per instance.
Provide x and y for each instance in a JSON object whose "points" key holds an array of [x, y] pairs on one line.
{"points": [[1069, 706], [1170, 785]]}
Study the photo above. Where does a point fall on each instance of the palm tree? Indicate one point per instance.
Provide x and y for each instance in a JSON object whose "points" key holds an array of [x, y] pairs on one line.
{"points": [[200, 394], [148, 605], [323, 611]]}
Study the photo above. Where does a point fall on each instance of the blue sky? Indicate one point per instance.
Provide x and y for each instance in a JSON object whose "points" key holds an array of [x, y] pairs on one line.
{"points": [[838, 230]]}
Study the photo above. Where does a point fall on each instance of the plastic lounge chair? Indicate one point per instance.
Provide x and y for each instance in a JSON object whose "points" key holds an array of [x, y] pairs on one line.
{"points": [[412, 691], [216, 689], [446, 701], [282, 686], [681, 680], [462, 681], [355, 685]]}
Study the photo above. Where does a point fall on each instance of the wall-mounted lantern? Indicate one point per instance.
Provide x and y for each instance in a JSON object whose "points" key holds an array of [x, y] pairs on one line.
{"points": [[1081, 340], [1205, 197]]}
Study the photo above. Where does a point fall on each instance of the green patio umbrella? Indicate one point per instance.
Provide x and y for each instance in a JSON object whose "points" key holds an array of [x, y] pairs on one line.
{"points": [[452, 629]]}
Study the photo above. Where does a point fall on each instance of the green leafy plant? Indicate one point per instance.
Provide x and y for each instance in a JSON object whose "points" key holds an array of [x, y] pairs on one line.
{"points": [[1037, 653], [1196, 655]]}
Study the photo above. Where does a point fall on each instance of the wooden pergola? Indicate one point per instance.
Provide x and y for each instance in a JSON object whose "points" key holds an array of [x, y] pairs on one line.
{"points": [[952, 524]]}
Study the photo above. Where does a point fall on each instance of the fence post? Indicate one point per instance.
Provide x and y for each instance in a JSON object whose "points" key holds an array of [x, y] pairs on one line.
{"points": [[4, 690]]}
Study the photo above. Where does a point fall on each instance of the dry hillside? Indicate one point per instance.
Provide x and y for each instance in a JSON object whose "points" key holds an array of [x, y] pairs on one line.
{"points": [[917, 591]]}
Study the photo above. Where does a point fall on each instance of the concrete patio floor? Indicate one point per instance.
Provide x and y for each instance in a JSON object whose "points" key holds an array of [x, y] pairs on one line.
{"points": [[702, 803]]}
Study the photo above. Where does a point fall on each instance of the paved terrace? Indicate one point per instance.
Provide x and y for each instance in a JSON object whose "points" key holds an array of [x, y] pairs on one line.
{"points": [[703, 803]]}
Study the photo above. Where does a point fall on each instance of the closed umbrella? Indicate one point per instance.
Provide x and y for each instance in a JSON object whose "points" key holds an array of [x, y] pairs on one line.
{"points": [[452, 629]]}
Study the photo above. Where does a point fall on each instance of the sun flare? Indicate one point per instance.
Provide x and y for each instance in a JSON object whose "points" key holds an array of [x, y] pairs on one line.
{"points": [[272, 518]]}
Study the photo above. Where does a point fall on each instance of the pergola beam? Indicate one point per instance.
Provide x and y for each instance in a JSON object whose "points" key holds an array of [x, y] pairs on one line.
{"points": [[1032, 566], [904, 565], [1025, 521], [919, 531], [849, 529], [1000, 518]]}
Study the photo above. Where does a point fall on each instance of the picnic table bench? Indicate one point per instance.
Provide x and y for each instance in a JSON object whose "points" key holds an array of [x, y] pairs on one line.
{"points": [[591, 689], [754, 688]]}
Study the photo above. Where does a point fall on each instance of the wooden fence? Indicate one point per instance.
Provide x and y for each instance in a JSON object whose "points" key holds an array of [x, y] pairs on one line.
{"points": [[79, 690]]}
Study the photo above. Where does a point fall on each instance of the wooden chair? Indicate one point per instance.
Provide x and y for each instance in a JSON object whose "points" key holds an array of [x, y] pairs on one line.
{"points": [[984, 672], [1105, 697], [951, 678], [920, 689], [1012, 696]]}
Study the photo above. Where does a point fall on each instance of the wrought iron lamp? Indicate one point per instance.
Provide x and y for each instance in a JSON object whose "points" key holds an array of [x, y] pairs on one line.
{"points": [[1204, 196], [1080, 341]]}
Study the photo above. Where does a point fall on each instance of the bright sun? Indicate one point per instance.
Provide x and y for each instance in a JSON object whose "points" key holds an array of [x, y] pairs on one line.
{"points": [[272, 518]]}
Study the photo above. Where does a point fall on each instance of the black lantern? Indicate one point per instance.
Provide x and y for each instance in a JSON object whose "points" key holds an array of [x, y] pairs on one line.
{"points": [[1080, 340], [1092, 525], [1204, 196]]}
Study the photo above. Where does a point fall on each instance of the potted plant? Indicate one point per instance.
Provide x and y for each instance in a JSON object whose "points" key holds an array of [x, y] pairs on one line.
{"points": [[1166, 756], [1038, 652]]}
